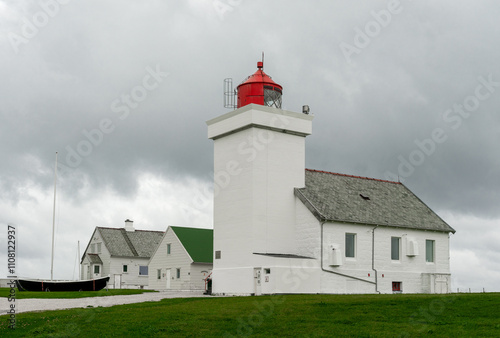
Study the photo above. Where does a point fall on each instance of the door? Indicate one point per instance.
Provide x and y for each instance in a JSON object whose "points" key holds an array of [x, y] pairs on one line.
{"points": [[118, 282], [86, 272], [97, 270], [168, 278], [441, 284], [257, 272]]}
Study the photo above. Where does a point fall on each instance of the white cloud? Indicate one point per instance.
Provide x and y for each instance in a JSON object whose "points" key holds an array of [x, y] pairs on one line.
{"points": [[475, 254], [158, 203]]}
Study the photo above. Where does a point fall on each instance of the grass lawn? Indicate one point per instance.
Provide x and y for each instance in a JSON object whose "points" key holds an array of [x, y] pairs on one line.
{"points": [[458, 315], [5, 292]]}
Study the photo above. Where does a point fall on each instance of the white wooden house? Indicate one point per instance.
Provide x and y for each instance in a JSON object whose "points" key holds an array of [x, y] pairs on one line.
{"points": [[279, 228], [182, 260], [121, 253]]}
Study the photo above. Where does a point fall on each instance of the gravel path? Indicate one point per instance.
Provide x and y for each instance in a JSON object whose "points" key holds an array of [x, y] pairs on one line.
{"points": [[28, 305]]}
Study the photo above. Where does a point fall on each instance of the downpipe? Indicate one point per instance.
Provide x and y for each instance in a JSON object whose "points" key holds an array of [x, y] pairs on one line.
{"points": [[341, 274], [373, 260]]}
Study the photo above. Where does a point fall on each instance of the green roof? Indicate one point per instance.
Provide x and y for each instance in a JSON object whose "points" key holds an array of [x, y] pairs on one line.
{"points": [[199, 243]]}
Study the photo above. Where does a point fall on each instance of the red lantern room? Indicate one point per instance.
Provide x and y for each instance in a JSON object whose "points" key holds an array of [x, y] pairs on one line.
{"points": [[259, 88]]}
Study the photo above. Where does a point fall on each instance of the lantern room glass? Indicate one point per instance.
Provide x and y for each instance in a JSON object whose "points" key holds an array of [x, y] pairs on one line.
{"points": [[272, 97]]}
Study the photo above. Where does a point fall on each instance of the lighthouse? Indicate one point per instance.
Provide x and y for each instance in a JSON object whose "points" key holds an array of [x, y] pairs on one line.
{"points": [[259, 159], [259, 88]]}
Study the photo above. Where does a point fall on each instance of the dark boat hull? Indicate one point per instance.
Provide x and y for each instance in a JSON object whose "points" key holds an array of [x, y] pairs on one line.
{"points": [[81, 285]]}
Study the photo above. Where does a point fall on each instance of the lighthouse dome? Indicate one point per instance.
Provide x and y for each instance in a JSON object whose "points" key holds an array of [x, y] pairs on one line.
{"points": [[259, 88]]}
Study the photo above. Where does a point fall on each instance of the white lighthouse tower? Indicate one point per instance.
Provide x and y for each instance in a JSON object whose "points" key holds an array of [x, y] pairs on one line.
{"points": [[259, 158]]}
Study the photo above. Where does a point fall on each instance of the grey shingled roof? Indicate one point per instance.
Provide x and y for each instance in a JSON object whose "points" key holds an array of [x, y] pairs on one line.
{"points": [[139, 243], [337, 197], [94, 258]]}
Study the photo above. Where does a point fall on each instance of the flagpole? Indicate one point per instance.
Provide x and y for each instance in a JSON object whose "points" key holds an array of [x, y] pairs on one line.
{"points": [[53, 223], [79, 268]]}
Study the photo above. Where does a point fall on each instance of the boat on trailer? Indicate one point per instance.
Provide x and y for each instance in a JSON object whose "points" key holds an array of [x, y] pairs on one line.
{"points": [[52, 285]]}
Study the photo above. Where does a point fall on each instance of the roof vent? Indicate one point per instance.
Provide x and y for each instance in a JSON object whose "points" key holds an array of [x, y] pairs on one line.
{"points": [[366, 198]]}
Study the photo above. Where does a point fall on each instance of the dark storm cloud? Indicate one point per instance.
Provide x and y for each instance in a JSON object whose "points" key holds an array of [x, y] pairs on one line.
{"points": [[85, 78], [68, 78]]}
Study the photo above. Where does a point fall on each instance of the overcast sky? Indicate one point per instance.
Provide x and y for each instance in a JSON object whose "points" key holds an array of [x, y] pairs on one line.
{"points": [[122, 90]]}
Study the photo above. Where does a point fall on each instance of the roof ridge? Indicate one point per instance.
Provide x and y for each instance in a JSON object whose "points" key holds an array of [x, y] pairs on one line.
{"points": [[353, 176], [109, 228], [184, 227]]}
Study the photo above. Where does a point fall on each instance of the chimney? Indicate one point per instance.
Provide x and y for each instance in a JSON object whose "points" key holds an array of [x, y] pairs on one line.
{"points": [[129, 225]]}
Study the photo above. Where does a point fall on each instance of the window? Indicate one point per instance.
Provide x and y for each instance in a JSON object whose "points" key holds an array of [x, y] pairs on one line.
{"points": [[158, 274], [396, 287], [429, 250], [217, 254], [168, 248], [350, 245], [92, 248], [143, 270], [125, 268], [178, 273], [96, 268], [272, 96], [395, 244], [98, 247]]}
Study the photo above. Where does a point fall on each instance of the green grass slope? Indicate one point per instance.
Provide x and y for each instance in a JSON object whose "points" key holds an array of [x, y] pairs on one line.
{"points": [[462, 315]]}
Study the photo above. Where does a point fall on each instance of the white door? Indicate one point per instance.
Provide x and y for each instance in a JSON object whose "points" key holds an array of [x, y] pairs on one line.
{"points": [[441, 285], [118, 282], [97, 270], [168, 278], [257, 281]]}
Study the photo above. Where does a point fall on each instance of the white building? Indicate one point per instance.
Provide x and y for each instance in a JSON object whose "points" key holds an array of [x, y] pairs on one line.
{"points": [[279, 228], [121, 253], [182, 260]]}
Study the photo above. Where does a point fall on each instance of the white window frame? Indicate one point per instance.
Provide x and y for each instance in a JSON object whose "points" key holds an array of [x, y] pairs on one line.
{"points": [[147, 270], [169, 248], [394, 240], [430, 257], [354, 236]]}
